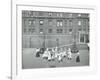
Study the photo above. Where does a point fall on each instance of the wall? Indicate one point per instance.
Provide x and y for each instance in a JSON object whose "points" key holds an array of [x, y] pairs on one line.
{"points": [[5, 38], [64, 21]]}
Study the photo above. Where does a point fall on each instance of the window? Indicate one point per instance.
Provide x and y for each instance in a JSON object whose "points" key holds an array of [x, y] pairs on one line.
{"points": [[70, 22], [41, 22], [65, 22], [79, 29], [40, 13], [70, 31], [41, 31], [79, 23], [82, 38], [33, 30], [25, 30], [70, 15], [84, 22], [59, 23], [88, 15], [79, 15], [31, 22], [29, 30], [87, 38], [27, 13], [50, 14], [23, 13], [59, 14], [49, 30], [84, 29], [31, 13], [50, 22], [59, 30]]}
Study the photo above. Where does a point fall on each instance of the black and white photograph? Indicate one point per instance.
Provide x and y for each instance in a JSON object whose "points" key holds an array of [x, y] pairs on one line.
{"points": [[55, 39], [51, 40]]}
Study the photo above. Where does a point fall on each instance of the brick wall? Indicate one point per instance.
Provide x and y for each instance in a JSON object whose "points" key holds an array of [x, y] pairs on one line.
{"points": [[70, 28]]}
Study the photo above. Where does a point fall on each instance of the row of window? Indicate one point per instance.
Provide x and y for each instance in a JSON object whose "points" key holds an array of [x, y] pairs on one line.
{"points": [[58, 23], [41, 30], [50, 30], [32, 30], [59, 14]]}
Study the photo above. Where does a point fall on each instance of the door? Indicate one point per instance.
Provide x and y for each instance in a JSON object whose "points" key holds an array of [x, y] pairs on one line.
{"points": [[83, 37]]}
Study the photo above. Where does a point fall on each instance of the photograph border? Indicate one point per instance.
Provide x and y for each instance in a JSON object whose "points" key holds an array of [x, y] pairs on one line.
{"points": [[14, 71]]}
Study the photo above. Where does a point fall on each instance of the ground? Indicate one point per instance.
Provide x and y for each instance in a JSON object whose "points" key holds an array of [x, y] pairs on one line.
{"points": [[29, 60]]}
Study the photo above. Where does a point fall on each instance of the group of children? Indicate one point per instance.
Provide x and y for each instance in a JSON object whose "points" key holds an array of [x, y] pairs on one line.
{"points": [[55, 53]]}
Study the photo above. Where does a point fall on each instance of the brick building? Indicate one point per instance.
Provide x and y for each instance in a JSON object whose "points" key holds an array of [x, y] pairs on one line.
{"points": [[51, 29]]}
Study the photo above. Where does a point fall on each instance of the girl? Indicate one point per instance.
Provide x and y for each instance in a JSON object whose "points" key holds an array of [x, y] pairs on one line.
{"points": [[78, 57], [69, 54]]}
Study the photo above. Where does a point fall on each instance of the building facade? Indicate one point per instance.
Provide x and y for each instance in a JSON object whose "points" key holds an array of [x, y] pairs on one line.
{"points": [[51, 29]]}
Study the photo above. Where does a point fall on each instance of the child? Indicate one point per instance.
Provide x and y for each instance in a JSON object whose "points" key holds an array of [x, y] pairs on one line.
{"points": [[69, 54], [78, 57], [59, 56], [37, 52], [45, 54]]}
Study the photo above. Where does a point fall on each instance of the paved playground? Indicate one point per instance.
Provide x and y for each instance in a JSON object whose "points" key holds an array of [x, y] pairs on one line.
{"points": [[29, 60]]}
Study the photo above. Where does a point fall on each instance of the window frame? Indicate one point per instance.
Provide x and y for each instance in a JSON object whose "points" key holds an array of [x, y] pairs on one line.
{"points": [[41, 21]]}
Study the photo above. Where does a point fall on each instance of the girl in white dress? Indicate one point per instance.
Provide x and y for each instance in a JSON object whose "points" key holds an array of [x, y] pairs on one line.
{"points": [[56, 52], [37, 49], [59, 55], [53, 54], [49, 56], [46, 54], [69, 54]]}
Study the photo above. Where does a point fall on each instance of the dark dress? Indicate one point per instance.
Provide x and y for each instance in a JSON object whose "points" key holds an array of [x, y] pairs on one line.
{"points": [[78, 59], [38, 54], [42, 50]]}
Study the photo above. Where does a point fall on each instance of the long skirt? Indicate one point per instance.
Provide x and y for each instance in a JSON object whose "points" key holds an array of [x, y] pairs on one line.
{"points": [[78, 59], [38, 54]]}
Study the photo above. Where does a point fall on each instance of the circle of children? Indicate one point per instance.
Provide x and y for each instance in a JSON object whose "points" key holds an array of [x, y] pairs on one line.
{"points": [[51, 54]]}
